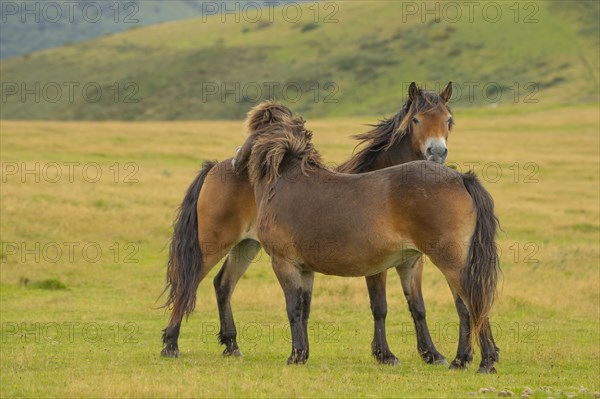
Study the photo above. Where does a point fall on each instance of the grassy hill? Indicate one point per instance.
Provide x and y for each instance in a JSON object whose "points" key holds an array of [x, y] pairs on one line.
{"points": [[354, 58], [53, 24]]}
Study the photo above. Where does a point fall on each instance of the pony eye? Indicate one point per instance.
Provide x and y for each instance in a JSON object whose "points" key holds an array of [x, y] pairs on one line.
{"points": [[415, 121]]}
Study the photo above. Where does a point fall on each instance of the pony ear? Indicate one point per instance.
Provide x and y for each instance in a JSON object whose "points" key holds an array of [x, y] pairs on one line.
{"points": [[267, 116], [413, 92], [446, 93]]}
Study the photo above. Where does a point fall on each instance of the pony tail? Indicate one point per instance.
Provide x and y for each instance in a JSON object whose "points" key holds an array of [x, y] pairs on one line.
{"points": [[480, 277], [185, 257]]}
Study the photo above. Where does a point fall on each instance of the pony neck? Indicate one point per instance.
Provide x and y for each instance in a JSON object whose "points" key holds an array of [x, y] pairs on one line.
{"points": [[398, 153]]}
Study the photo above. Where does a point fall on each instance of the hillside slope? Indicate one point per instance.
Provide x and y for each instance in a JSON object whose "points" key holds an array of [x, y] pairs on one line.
{"points": [[39, 25], [353, 58]]}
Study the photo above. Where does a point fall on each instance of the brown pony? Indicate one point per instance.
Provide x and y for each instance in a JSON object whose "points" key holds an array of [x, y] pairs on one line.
{"points": [[217, 218], [390, 218]]}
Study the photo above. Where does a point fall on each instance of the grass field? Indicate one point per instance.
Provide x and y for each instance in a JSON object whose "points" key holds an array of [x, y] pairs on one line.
{"points": [[83, 262]]}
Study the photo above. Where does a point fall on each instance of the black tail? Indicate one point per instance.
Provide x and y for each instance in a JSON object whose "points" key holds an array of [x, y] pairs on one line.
{"points": [[481, 275], [185, 258]]}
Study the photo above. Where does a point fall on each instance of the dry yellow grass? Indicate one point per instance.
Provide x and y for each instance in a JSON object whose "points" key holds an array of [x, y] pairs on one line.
{"points": [[546, 315]]}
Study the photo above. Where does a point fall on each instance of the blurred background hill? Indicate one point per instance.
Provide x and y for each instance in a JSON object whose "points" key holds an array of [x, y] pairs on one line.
{"points": [[331, 59], [41, 24]]}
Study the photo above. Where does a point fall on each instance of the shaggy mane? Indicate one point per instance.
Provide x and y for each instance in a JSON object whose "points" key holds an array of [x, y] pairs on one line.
{"points": [[276, 140], [267, 113]]}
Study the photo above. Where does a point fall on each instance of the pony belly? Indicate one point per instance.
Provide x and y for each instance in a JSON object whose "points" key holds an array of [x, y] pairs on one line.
{"points": [[357, 261], [249, 233], [401, 257]]}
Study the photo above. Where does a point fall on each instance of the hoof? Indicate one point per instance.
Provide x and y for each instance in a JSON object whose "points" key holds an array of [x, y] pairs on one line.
{"points": [[298, 356], [390, 361], [235, 353], [170, 352], [458, 364], [434, 358], [386, 357], [292, 361], [487, 370], [440, 362]]}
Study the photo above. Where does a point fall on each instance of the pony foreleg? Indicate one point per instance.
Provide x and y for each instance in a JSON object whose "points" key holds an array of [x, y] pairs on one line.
{"points": [[379, 348], [307, 286], [297, 288], [411, 274], [233, 269]]}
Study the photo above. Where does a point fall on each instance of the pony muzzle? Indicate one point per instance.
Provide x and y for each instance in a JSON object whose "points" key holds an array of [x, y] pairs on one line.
{"points": [[436, 151]]}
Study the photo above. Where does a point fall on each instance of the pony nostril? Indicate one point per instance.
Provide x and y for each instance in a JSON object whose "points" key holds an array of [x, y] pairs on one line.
{"points": [[436, 151]]}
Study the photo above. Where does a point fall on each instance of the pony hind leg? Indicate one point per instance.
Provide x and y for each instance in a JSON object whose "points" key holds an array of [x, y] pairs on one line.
{"points": [[451, 258], [464, 352], [170, 337], [376, 285], [297, 289], [472, 281], [490, 353], [225, 281], [170, 334], [411, 275]]}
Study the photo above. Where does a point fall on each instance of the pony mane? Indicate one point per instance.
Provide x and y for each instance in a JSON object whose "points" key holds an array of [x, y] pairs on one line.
{"points": [[266, 113], [277, 140], [388, 132]]}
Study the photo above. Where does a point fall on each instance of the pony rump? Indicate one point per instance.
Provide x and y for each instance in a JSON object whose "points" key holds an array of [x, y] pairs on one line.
{"points": [[185, 256]]}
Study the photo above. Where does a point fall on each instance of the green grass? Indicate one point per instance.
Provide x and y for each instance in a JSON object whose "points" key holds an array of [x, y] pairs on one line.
{"points": [[546, 317], [172, 67]]}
